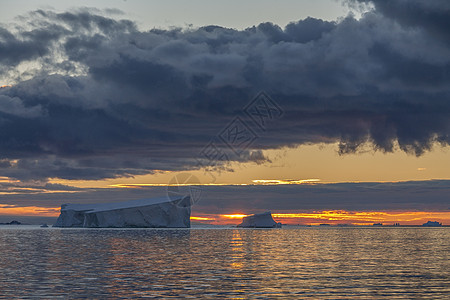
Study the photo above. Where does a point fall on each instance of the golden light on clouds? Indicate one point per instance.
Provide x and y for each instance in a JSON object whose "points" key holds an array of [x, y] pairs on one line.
{"points": [[4, 179]]}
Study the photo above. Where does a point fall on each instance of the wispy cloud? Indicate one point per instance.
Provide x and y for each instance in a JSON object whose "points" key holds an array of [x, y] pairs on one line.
{"points": [[285, 181], [253, 182]]}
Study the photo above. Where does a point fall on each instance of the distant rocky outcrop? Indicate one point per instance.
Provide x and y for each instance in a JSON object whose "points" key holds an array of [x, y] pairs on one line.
{"points": [[12, 223]]}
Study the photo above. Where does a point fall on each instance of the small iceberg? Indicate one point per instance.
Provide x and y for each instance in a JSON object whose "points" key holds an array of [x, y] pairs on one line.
{"points": [[432, 224], [262, 220]]}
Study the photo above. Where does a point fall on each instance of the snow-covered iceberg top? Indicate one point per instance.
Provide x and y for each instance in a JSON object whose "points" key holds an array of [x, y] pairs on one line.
{"points": [[97, 207], [152, 212], [262, 220]]}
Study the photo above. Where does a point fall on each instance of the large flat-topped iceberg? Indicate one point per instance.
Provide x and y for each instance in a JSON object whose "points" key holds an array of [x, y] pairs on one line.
{"points": [[263, 220], [153, 212]]}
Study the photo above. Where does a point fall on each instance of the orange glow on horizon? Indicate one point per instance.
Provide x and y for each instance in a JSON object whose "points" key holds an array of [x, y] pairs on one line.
{"points": [[201, 219], [343, 217], [364, 218], [235, 216], [13, 210], [367, 217], [308, 218]]}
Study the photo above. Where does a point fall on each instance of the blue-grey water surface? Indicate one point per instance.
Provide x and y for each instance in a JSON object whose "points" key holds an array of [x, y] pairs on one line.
{"points": [[323, 263]]}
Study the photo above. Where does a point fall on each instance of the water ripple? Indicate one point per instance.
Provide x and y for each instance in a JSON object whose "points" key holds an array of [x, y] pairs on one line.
{"points": [[325, 263]]}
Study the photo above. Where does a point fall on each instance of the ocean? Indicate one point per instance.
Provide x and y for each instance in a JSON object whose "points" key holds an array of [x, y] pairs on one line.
{"points": [[293, 262]]}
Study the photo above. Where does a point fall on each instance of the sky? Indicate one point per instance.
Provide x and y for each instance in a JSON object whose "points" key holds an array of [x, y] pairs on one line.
{"points": [[148, 14], [320, 111]]}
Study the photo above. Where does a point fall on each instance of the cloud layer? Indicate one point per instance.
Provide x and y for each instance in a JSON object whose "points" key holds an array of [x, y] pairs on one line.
{"points": [[94, 97], [368, 196]]}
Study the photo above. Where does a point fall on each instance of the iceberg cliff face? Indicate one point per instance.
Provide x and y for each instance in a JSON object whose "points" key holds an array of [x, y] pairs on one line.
{"points": [[154, 212], [263, 220]]}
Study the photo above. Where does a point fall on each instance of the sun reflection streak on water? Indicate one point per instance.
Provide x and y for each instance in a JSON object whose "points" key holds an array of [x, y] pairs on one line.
{"points": [[326, 263], [237, 248]]}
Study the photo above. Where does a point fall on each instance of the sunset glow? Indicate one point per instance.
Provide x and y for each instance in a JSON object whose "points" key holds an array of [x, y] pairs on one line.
{"points": [[342, 217], [311, 218], [224, 149], [14, 210], [358, 218], [307, 218], [201, 219], [234, 216]]}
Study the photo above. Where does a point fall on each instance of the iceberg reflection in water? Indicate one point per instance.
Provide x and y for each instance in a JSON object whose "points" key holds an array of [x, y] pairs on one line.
{"points": [[318, 262]]}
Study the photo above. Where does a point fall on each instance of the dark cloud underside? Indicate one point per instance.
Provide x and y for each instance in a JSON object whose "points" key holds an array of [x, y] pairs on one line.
{"points": [[108, 100]]}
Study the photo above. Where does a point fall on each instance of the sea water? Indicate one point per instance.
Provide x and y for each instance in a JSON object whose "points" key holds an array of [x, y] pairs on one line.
{"points": [[293, 262]]}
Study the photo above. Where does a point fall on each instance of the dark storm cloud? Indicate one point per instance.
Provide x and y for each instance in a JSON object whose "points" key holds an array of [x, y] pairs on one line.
{"points": [[29, 45], [109, 100], [432, 16]]}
